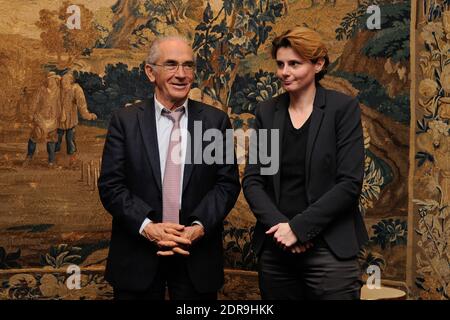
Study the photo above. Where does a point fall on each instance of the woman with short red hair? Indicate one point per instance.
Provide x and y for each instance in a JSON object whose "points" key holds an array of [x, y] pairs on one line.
{"points": [[309, 228]]}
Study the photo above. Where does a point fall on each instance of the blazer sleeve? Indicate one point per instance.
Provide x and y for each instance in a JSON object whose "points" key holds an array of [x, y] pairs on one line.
{"points": [[349, 177], [254, 184], [115, 196], [218, 202]]}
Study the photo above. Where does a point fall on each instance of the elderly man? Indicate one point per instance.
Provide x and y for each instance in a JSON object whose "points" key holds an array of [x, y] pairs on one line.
{"points": [[45, 111], [167, 209], [72, 102]]}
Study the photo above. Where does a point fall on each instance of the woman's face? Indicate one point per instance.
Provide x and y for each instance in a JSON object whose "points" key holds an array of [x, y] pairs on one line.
{"points": [[294, 72]]}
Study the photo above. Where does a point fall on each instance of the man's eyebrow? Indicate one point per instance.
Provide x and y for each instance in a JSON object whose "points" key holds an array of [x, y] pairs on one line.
{"points": [[170, 61], [175, 61]]}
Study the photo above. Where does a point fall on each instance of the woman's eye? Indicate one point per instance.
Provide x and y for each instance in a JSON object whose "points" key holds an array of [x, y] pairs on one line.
{"points": [[280, 64]]}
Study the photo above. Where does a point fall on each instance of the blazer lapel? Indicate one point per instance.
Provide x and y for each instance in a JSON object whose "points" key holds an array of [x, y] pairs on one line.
{"points": [[193, 151], [316, 121], [278, 123], [147, 124]]}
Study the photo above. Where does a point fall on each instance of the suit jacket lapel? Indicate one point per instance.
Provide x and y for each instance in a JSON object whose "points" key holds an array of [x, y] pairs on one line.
{"points": [[147, 124], [278, 123], [192, 152], [316, 121]]}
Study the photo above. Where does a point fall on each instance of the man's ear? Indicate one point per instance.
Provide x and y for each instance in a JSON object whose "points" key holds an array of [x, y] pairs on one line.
{"points": [[150, 72], [318, 66]]}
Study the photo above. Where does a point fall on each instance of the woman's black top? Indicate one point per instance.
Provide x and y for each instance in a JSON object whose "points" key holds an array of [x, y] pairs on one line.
{"points": [[293, 192]]}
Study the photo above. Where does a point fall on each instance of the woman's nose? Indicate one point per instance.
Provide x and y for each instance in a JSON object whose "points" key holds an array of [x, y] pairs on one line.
{"points": [[285, 71]]}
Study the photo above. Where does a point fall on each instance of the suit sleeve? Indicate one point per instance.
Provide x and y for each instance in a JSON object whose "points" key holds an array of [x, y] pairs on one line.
{"points": [[349, 177], [219, 201], [254, 185], [115, 196]]}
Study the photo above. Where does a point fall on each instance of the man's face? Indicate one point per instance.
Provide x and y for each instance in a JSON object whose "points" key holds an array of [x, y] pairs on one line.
{"points": [[172, 87]]}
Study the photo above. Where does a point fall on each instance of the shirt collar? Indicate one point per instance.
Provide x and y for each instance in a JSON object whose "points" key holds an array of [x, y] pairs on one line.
{"points": [[159, 107]]}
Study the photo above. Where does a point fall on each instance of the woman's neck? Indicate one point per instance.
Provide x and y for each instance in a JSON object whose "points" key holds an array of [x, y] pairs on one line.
{"points": [[303, 99]]}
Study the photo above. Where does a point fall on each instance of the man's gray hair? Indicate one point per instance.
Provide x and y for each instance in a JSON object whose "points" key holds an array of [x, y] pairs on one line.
{"points": [[153, 53]]}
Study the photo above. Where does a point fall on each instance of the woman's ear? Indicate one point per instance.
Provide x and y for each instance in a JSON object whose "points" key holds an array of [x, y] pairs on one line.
{"points": [[318, 66]]}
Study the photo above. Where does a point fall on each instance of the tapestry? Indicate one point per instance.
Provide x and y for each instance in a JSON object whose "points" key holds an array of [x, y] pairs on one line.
{"points": [[429, 253], [51, 217]]}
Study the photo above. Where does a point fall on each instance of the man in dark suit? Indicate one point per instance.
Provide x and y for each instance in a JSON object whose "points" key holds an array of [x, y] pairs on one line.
{"points": [[168, 208]]}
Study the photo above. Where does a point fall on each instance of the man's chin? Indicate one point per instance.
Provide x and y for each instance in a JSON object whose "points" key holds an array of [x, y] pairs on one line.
{"points": [[180, 95], [179, 98]]}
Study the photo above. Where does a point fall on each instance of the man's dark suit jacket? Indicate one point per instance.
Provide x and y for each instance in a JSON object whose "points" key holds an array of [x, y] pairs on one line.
{"points": [[130, 190], [334, 174]]}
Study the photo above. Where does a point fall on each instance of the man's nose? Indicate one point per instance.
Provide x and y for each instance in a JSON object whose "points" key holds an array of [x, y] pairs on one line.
{"points": [[180, 72]]}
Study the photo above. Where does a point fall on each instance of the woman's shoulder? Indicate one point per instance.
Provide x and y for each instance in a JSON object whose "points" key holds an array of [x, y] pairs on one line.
{"points": [[338, 97], [338, 102]]}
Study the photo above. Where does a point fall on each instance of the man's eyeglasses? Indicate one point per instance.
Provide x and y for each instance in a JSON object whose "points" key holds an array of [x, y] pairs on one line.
{"points": [[173, 66]]}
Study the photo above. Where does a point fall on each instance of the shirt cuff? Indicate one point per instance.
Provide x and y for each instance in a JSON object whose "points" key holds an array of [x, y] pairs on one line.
{"points": [[197, 222], [144, 224]]}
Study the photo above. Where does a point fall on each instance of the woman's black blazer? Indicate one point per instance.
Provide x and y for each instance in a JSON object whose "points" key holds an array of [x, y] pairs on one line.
{"points": [[334, 174]]}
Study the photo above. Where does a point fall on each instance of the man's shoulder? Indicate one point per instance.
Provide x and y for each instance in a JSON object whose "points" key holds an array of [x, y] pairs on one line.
{"points": [[207, 110], [129, 109]]}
